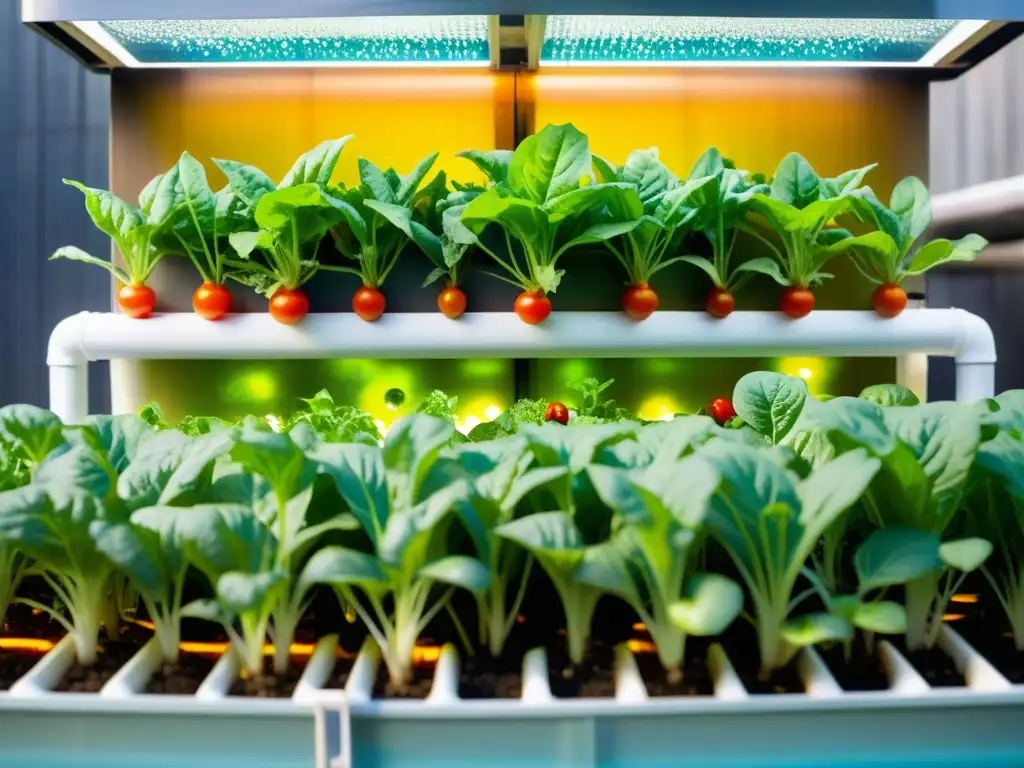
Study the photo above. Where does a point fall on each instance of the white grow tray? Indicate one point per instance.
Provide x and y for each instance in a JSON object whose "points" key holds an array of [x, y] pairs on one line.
{"points": [[910, 725]]}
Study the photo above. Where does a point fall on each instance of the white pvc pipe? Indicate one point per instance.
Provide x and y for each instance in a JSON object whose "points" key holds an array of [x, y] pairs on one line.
{"points": [[105, 336], [1003, 198]]}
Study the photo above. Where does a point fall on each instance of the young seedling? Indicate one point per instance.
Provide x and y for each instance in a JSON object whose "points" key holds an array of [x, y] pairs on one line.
{"points": [[890, 254]]}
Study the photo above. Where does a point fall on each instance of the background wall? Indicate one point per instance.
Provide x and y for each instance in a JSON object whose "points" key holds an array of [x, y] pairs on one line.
{"points": [[53, 124], [977, 135]]}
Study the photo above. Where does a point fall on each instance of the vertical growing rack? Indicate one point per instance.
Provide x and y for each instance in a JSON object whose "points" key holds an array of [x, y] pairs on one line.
{"points": [[168, 93]]}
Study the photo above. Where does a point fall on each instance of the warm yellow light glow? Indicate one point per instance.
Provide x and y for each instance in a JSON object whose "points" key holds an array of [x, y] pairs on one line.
{"points": [[30, 644], [658, 408], [641, 646], [964, 598], [492, 412], [426, 654], [258, 386], [805, 373], [953, 616], [639, 627]]}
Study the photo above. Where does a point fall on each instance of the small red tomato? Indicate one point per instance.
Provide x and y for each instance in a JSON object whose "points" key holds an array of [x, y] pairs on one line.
{"points": [[796, 302], [533, 307], [889, 300], [639, 301], [452, 302], [136, 300], [557, 412], [211, 301], [719, 303], [289, 306], [721, 411], [368, 303]]}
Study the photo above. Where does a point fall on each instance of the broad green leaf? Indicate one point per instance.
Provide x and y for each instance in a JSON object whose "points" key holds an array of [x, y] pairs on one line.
{"points": [[912, 204], [884, 617], [302, 212], [708, 164], [410, 448], [551, 536], [645, 171], [849, 422], [340, 567], [272, 455], [549, 164], [376, 182], [889, 395], [832, 489], [770, 403], [795, 182], [358, 472], [493, 163], [523, 219], [35, 432], [965, 555], [317, 165], [765, 266], [892, 556], [79, 467], [606, 172], [111, 215], [241, 592], [138, 553], [220, 537], [1003, 456], [409, 183], [704, 265], [72, 253], [710, 604], [940, 252], [246, 181], [816, 628], [458, 571], [172, 469], [122, 438], [50, 523]]}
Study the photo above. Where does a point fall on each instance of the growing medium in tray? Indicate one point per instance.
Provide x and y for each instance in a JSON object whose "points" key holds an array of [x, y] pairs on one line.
{"points": [[795, 522]]}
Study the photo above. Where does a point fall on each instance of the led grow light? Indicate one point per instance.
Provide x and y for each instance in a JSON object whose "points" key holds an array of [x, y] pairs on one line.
{"points": [[702, 41], [435, 41]]}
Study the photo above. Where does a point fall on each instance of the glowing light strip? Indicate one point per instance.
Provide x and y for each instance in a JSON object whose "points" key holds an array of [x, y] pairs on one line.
{"points": [[124, 58], [957, 36]]}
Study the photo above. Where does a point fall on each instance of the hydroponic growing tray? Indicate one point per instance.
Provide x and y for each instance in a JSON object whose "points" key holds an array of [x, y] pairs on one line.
{"points": [[910, 724]]}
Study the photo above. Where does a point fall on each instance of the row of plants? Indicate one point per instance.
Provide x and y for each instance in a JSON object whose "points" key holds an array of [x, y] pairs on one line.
{"points": [[814, 521], [548, 197]]}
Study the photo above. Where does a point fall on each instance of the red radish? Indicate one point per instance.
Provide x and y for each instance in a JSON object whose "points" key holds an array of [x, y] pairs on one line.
{"points": [[533, 307], [639, 301], [289, 307], [452, 302], [211, 301], [889, 300], [136, 301], [557, 412], [719, 303], [721, 411], [796, 302], [368, 303]]}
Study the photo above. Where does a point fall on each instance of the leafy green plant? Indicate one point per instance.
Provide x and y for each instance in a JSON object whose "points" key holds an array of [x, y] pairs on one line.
{"points": [[335, 423], [769, 521], [523, 411], [538, 201], [404, 505], [890, 254], [660, 512], [926, 453], [592, 408], [727, 199]]}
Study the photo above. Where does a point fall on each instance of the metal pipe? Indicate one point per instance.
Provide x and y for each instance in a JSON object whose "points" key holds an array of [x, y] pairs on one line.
{"points": [[105, 336]]}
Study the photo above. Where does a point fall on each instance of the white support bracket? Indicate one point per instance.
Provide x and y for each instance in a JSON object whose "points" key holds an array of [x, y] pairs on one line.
{"points": [[88, 336], [333, 728]]}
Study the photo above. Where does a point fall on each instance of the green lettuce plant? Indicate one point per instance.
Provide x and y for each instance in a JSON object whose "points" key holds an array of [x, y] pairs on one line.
{"points": [[538, 201], [769, 521], [405, 506]]}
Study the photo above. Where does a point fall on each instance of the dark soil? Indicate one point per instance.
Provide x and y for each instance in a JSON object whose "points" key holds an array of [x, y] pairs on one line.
{"points": [[987, 629], [268, 685], [484, 677], [342, 669], [593, 679], [112, 656], [417, 688], [862, 671], [22, 621], [14, 665], [696, 676], [183, 678], [740, 645], [933, 665]]}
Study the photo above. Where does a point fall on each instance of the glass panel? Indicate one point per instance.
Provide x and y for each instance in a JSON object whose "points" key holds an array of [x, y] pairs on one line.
{"points": [[681, 39], [433, 40]]}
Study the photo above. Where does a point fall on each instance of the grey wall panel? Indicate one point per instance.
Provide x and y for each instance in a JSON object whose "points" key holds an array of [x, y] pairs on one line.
{"points": [[54, 124], [977, 135]]}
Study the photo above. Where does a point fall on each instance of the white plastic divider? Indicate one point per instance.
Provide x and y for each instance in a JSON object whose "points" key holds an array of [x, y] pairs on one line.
{"points": [[978, 672], [88, 336], [48, 671]]}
